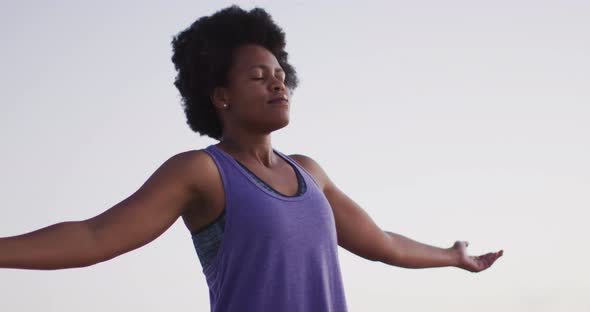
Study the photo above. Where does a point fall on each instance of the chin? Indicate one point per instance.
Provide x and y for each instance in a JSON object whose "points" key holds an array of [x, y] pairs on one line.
{"points": [[278, 124]]}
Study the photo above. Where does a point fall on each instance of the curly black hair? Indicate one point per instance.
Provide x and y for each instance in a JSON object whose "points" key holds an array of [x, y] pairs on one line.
{"points": [[202, 55]]}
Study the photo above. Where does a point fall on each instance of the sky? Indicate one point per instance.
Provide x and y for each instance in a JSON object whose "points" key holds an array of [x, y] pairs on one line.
{"points": [[445, 120]]}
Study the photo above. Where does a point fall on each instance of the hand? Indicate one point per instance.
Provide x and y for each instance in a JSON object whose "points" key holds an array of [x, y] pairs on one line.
{"points": [[474, 263]]}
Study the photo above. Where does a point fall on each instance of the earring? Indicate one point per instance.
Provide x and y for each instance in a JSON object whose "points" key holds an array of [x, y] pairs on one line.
{"points": [[224, 105]]}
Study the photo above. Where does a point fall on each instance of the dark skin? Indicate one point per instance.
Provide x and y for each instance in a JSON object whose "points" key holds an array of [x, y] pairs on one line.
{"points": [[188, 185]]}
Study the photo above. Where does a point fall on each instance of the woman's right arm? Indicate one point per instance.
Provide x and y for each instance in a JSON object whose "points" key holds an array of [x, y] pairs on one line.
{"points": [[128, 225]]}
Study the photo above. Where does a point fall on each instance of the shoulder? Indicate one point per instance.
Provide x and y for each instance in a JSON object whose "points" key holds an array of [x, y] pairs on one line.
{"points": [[195, 168], [314, 168], [189, 161], [305, 161]]}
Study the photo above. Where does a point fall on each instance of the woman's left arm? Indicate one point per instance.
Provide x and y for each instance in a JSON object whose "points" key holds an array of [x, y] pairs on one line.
{"points": [[359, 234]]}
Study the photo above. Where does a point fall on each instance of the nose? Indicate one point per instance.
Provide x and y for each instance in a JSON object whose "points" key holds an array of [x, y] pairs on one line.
{"points": [[278, 85]]}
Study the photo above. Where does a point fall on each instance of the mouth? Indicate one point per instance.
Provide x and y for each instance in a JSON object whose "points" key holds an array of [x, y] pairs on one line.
{"points": [[278, 101]]}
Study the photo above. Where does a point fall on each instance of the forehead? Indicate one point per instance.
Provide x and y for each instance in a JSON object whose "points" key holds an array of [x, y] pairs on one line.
{"points": [[247, 56]]}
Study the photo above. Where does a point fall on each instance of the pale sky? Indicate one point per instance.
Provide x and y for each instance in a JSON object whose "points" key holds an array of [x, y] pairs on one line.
{"points": [[444, 120]]}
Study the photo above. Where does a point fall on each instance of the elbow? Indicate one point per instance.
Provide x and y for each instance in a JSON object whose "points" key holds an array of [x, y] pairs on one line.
{"points": [[389, 253], [96, 250], [382, 250], [88, 257]]}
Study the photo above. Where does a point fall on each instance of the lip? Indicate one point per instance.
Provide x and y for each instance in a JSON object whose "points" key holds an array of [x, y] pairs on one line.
{"points": [[278, 101]]}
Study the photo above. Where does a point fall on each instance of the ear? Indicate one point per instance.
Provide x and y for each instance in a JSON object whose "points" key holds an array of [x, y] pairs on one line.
{"points": [[219, 97]]}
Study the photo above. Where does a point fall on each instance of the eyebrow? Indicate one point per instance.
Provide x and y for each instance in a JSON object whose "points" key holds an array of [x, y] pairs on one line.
{"points": [[263, 66]]}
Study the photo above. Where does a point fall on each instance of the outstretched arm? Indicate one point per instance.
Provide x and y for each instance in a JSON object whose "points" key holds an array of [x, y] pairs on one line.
{"points": [[359, 234], [128, 225], [407, 253]]}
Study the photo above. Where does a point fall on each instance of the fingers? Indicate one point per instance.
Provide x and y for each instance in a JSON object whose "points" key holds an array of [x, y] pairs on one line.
{"points": [[485, 261], [491, 257], [482, 262]]}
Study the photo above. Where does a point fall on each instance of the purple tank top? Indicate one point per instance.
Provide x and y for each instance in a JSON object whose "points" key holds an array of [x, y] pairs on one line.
{"points": [[278, 253]]}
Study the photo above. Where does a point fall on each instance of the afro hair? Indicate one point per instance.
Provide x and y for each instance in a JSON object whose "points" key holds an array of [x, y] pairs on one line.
{"points": [[202, 56]]}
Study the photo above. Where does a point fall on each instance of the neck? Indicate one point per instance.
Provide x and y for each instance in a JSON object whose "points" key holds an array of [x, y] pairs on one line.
{"points": [[248, 148]]}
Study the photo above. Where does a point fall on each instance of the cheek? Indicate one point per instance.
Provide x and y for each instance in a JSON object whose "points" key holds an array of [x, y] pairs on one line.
{"points": [[251, 92]]}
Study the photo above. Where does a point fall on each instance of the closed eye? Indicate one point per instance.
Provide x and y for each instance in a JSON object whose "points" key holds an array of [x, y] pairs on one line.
{"points": [[262, 78]]}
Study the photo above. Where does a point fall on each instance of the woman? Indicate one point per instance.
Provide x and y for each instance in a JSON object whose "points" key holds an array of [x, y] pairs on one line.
{"points": [[265, 225]]}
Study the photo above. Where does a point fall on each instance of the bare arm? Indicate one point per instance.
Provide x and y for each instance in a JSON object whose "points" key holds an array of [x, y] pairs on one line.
{"points": [[128, 225], [408, 253], [58, 246], [358, 233]]}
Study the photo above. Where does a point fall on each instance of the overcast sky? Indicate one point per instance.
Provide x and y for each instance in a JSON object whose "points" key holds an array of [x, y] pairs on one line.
{"points": [[444, 120]]}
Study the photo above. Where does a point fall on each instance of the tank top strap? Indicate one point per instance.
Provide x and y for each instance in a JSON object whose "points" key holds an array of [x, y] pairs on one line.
{"points": [[309, 179], [226, 171]]}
